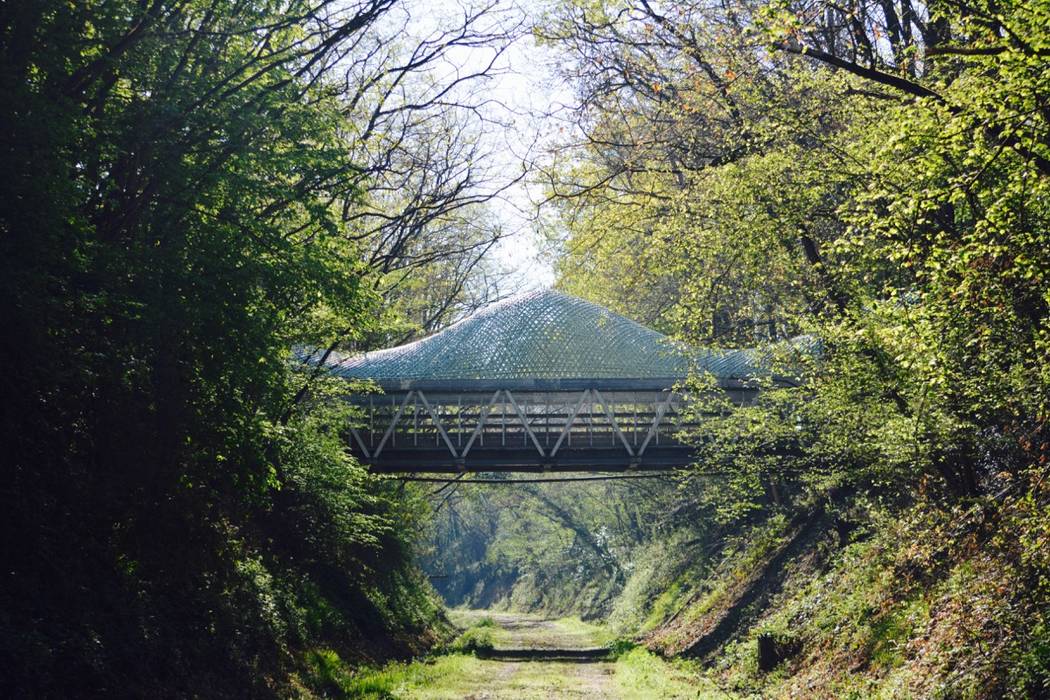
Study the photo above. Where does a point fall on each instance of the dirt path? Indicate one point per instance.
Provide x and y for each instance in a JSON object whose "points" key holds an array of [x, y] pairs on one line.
{"points": [[538, 658], [522, 631], [534, 657]]}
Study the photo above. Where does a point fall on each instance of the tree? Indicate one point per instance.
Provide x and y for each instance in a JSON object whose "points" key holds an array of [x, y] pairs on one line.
{"points": [[179, 216], [866, 170]]}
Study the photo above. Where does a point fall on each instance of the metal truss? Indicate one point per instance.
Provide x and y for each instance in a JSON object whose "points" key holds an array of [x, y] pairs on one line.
{"points": [[504, 430]]}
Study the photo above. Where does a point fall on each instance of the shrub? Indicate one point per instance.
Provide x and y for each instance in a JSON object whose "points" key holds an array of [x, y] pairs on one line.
{"points": [[474, 640]]}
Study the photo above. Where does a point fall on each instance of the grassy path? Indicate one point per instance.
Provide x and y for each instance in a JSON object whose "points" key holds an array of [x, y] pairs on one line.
{"points": [[535, 657], [540, 672]]}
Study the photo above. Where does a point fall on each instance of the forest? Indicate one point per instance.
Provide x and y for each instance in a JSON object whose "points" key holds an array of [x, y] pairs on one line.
{"points": [[203, 201]]}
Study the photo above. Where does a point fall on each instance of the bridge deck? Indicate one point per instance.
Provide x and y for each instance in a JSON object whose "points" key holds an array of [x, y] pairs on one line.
{"points": [[504, 431]]}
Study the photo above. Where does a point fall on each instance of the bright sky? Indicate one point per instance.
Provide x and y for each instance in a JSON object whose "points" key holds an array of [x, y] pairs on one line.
{"points": [[526, 96], [531, 89]]}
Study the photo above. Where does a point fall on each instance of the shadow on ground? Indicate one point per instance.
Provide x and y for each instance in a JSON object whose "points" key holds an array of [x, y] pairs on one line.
{"points": [[571, 655]]}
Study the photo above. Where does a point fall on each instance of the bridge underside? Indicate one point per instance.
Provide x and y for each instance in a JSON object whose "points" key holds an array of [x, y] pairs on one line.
{"points": [[523, 429]]}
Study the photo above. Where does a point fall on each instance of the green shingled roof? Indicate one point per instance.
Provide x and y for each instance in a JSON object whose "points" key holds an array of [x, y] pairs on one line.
{"points": [[543, 335]]}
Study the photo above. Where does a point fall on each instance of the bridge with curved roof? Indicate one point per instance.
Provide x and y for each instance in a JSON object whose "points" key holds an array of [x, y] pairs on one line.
{"points": [[539, 382]]}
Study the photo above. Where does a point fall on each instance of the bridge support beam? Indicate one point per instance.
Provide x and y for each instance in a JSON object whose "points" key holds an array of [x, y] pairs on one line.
{"points": [[587, 429]]}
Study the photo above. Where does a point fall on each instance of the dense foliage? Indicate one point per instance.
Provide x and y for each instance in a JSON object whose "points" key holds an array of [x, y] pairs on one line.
{"points": [[873, 175], [189, 193], [196, 191], [794, 177]]}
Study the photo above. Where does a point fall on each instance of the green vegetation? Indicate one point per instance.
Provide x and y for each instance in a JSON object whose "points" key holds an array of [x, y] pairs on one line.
{"points": [[396, 679], [932, 616], [458, 676], [188, 206], [203, 200], [480, 638], [641, 674], [632, 674], [873, 184]]}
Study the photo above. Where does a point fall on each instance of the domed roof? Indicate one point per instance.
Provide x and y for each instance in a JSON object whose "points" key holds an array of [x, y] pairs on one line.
{"points": [[540, 335]]}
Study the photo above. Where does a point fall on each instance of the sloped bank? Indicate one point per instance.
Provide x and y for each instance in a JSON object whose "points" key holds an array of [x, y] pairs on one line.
{"points": [[921, 601]]}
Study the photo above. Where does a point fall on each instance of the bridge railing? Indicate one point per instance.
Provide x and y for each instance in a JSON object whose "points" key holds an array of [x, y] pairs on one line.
{"points": [[419, 430]]}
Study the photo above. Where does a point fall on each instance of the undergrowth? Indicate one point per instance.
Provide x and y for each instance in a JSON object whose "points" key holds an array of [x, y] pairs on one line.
{"points": [[930, 601]]}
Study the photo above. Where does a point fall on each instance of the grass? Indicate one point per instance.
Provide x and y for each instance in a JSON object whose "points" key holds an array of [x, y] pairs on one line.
{"points": [[664, 605], [595, 634], [911, 611], [741, 561], [636, 675], [331, 676], [632, 673], [661, 581], [456, 676], [450, 673], [641, 675]]}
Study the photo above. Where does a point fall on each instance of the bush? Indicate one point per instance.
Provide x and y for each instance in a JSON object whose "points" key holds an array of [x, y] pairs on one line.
{"points": [[621, 646], [474, 640]]}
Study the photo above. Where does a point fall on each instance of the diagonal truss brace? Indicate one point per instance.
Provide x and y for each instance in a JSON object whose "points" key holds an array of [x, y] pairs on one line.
{"points": [[481, 423], [570, 421], [611, 415], [524, 422], [437, 423], [360, 442], [393, 424], [661, 409]]}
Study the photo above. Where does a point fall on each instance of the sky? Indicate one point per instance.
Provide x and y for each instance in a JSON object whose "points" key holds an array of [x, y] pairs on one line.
{"points": [[527, 95], [531, 91], [531, 88]]}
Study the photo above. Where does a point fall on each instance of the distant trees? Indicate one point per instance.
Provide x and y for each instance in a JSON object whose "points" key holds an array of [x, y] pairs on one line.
{"points": [[557, 547]]}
